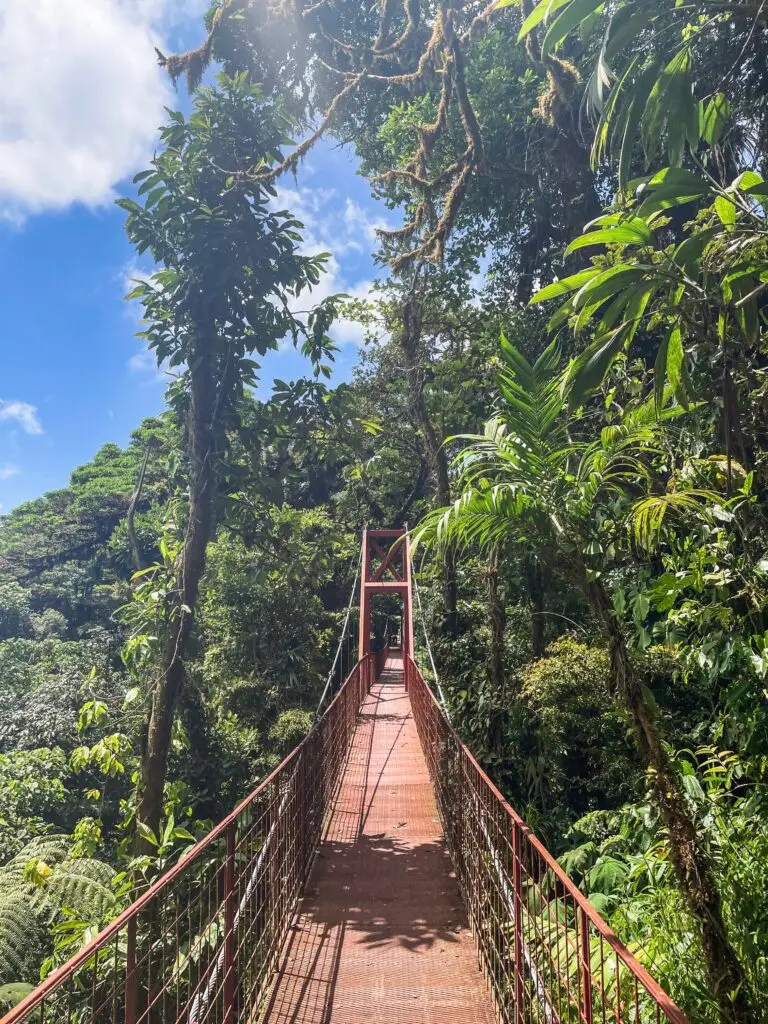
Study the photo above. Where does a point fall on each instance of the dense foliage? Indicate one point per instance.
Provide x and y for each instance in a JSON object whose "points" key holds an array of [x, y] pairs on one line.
{"points": [[586, 182]]}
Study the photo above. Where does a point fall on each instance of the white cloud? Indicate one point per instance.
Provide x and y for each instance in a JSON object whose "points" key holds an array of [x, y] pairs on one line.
{"points": [[82, 97], [7, 471], [22, 413], [359, 220], [339, 230], [143, 362]]}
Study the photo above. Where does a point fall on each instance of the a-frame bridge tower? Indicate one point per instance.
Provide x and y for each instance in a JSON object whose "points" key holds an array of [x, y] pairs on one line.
{"points": [[386, 570]]}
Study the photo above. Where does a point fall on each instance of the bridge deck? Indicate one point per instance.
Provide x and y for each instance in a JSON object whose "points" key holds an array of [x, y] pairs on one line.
{"points": [[381, 933]]}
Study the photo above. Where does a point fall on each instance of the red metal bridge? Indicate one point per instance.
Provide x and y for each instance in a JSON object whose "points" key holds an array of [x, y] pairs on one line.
{"points": [[376, 875]]}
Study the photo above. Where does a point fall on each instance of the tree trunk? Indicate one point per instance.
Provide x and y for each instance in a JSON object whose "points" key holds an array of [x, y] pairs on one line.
{"points": [[414, 494], [693, 865], [138, 561], [535, 585], [410, 337], [497, 621], [189, 570]]}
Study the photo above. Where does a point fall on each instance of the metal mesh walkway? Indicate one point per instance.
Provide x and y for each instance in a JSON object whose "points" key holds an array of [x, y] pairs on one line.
{"points": [[381, 933]]}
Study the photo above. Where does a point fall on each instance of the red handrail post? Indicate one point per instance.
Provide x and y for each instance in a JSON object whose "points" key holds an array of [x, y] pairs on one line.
{"points": [[517, 883], [131, 980], [586, 966], [229, 926]]}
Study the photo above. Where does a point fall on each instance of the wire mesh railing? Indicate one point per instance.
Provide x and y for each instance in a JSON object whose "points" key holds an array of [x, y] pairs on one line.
{"points": [[201, 944], [548, 956]]}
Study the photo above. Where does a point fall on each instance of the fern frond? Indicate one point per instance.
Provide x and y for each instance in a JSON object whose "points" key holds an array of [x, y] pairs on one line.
{"points": [[32, 901], [22, 938]]}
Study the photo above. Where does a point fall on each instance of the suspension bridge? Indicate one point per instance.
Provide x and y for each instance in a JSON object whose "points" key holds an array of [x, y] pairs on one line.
{"points": [[376, 875]]}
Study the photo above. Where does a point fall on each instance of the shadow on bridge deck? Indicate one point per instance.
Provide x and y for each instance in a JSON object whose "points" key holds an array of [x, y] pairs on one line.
{"points": [[381, 934]]}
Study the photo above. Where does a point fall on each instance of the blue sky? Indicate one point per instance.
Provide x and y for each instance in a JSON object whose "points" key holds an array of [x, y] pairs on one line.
{"points": [[78, 121]]}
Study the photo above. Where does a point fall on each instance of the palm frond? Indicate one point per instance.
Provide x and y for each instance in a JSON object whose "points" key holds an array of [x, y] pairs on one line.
{"points": [[482, 518], [648, 516], [533, 399]]}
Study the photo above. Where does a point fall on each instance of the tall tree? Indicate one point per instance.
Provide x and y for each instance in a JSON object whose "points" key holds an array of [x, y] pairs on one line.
{"points": [[229, 263]]}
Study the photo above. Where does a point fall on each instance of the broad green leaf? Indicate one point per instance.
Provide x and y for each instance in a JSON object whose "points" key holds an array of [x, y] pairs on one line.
{"points": [[607, 875], [607, 283], [660, 373], [676, 366], [661, 103], [588, 25], [747, 180], [678, 177], [588, 369], [566, 21], [689, 252], [669, 188], [676, 137], [631, 128], [541, 12], [565, 285], [726, 211], [636, 307], [716, 115], [622, 235]]}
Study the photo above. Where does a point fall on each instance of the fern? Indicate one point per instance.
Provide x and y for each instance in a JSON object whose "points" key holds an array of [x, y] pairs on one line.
{"points": [[39, 886]]}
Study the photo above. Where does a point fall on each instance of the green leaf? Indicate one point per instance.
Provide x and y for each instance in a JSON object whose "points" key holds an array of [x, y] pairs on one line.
{"points": [[541, 11], [636, 306], [664, 197], [716, 116], [566, 21], [689, 252], [605, 284], [665, 101], [631, 128], [748, 180], [588, 369], [726, 211], [565, 285], [183, 833], [146, 833], [676, 365], [607, 875], [660, 374], [623, 235]]}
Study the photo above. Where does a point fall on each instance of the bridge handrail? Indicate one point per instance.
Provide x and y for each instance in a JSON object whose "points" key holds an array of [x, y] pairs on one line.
{"points": [[341, 712], [436, 730]]}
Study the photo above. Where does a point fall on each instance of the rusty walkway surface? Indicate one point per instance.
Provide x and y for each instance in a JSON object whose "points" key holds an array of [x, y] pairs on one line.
{"points": [[381, 933]]}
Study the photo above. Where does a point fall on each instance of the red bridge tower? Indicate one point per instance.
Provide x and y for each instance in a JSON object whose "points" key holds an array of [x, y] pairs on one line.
{"points": [[386, 570]]}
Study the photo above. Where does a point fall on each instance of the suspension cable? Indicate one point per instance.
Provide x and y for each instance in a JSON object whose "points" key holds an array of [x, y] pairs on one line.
{"points": [[541, 994], [343, 636], [440, 693]]}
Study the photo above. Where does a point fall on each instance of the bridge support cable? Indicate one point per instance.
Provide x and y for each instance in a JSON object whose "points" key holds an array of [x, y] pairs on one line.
{"points": [[344, 637], [202, 1000], [507, 892], [435, 674]]}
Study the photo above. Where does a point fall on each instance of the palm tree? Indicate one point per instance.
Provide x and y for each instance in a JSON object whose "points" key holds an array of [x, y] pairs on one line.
{"points": [[525, 480]]}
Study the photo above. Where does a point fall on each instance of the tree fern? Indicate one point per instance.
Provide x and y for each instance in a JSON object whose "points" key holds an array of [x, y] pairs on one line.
{"points": [[37, 887]]}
